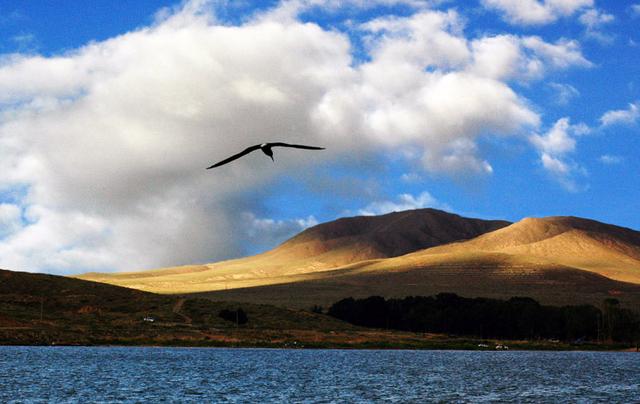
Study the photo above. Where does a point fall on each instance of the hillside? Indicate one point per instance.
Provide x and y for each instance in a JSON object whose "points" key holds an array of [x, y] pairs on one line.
{"points": [[608, 250], [491, 275], [38, 309], [320, 248], [355, 239], [557, 260], [47, 309]]}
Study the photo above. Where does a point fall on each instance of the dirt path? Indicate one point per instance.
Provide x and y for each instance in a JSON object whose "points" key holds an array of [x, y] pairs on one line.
{"points": [[177, 310]]}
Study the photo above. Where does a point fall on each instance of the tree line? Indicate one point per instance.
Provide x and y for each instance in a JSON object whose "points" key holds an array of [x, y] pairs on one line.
{"points": [[516, 318]]}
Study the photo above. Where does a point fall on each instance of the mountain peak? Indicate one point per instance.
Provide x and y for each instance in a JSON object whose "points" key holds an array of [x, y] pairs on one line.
{"points": [[609, 250], [532, 229], [387, 235]]}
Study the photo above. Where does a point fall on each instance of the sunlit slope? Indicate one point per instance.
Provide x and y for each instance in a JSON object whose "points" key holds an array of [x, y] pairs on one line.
{"points": [[317, 249], [557, 260], [608, 250], [471, 274]]}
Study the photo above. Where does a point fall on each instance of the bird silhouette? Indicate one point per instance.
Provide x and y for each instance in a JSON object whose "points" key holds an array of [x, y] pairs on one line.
{"points": [[266, 149]]}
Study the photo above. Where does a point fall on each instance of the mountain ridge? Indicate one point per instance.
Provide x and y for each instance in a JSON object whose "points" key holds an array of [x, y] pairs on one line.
{"points": [[322, 247], [446, 251], [609, 250]]}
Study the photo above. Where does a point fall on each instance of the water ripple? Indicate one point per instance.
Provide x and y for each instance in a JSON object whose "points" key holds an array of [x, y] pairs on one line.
{"points": [[196, 375]]}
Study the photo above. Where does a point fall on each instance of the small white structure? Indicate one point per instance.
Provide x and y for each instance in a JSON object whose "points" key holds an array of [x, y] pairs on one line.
{"points": [[149, 319]]}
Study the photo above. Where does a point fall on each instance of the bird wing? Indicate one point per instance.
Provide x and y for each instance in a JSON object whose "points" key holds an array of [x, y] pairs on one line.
{"points": [[235, 156], [297, 146]]}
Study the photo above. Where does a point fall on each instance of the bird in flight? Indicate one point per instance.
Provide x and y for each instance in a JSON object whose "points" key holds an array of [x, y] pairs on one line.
{"points": [[266, 149]]}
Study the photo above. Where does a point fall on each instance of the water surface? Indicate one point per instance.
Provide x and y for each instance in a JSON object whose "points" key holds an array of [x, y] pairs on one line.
{"points": [[106, 374]]}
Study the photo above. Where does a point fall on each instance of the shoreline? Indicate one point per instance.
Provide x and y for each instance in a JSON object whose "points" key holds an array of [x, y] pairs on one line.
{"points": [[461, 344]]}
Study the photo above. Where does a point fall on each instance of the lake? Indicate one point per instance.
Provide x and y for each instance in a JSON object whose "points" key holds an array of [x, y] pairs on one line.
{"points": [[114, 374]]}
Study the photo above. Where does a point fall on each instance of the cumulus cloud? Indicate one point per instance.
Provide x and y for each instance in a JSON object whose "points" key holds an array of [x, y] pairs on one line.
{"points": [[538, 12], [417, 90], [535, 12], [557, 140], [403, 202], [109, 141], [505, 57], [554, 146], [627, 116]]}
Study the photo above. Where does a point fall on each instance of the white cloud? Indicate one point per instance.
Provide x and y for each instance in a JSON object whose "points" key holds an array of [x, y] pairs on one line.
{"points": [[264, 233], [505, 57], [535, 12], [541, 12], [500, 57], [410, 177], [417, 90], [10, 219], [554, 164], [563, 93], [110, 140], [555, 145], [290, 10], [403, 202], [557, 141], [627, 116], [610, 159], [635, 9], [25, 42], [594, 18], [561, 55]]}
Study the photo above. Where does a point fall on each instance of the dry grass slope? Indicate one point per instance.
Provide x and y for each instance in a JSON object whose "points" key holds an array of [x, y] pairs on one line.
{"points": [[324, 247], [607, 250], [558, 260]]}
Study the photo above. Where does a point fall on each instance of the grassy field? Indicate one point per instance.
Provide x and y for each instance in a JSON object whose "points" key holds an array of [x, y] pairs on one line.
{"points": [[45, 309]]}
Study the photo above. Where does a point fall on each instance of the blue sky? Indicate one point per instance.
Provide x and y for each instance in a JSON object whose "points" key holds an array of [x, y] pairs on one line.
{"points": [[490, 108]]}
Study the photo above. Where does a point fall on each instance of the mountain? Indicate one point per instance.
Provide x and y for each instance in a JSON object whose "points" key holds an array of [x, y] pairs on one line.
{"points": [[354, 239], [557, 260], [320, 248], [469, 274], [605, 249]]}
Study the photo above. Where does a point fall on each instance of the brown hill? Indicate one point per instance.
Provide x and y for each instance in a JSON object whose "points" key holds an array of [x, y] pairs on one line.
{"points": [[354, 239], [558, 260], [608, 250], [492, 275], [320, 248]]}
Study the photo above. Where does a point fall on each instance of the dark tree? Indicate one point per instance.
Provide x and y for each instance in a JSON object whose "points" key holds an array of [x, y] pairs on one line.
{"points": [[237, 316], [516, 318]]}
